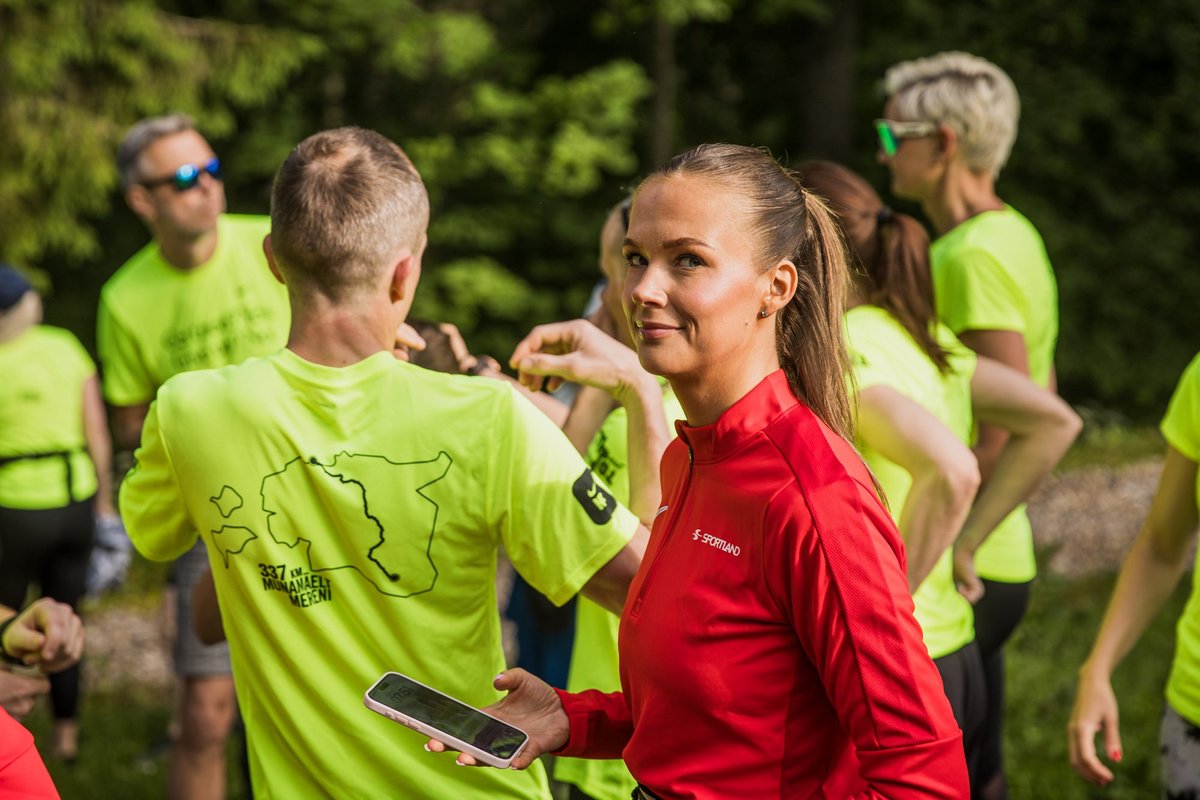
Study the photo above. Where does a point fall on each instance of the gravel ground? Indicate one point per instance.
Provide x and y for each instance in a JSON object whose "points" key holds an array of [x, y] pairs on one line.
{"points": [[1085, 521]]}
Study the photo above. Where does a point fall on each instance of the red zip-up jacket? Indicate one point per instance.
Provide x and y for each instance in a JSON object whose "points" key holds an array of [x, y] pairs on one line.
{"points": [[768, 646]]}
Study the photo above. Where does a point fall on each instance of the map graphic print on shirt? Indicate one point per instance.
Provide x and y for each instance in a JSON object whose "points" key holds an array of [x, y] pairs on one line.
{"points": [[384, 521]]}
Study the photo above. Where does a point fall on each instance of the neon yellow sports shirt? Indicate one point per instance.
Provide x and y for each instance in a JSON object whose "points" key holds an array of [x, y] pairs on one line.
{"points": [[352, 518], [594, 662], [1181, 428], [884, 354], [156, 321], [41, 411], [992, 273]]}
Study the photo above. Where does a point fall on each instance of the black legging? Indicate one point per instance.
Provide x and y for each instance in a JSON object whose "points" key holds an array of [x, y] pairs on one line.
{"points": [[997, 615], [50, 548]]}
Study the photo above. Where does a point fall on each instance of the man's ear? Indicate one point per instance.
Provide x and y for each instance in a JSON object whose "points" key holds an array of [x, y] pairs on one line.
{"points": [[270, 254], [404, 277], [137, 197]]}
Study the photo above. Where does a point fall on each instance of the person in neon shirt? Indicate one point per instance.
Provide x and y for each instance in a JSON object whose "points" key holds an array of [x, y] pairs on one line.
{"points": [[948, 127], [198, 295], [1156, 562], [352, 504], [55, 471], [768, 646], [918, 391]]}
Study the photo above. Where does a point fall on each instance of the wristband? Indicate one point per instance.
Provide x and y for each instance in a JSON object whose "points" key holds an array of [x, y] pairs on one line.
{"points": [[4, 654]]}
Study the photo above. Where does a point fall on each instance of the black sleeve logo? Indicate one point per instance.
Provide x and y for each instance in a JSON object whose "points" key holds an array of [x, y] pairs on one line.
{"points": [[594, 498]]}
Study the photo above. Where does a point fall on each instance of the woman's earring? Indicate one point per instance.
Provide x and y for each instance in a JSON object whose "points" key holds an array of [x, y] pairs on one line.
{"points": [[762, 313]]}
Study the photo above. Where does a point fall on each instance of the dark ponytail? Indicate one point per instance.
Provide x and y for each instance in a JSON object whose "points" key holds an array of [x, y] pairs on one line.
{"points": [[890, 250], [791, 223]]}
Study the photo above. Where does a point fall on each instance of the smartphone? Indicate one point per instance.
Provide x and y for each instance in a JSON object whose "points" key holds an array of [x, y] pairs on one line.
{"points": [[428, 711]]}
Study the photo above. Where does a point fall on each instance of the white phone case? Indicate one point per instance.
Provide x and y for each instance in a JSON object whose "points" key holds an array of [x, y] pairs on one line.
{"points": [[427, 729]]}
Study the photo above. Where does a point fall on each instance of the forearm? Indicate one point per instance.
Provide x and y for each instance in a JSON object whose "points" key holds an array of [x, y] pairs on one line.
{"points": [[1147, 579], [933, 514], [988, 449], [592, 405], [647, 438], [1024, 462]]}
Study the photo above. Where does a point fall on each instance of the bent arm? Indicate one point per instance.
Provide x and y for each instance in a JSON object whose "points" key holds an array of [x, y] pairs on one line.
{"points": [[867, 647], [99, 445], [943, 469], [1039, 427], [600, 723], [610, 585], [1007, 347]]}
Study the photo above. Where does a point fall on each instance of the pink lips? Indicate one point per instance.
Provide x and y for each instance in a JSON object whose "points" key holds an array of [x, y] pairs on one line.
{"points": [[653, 331]]}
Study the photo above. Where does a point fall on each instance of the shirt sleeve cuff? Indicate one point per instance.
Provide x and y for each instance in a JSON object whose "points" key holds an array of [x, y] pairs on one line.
{"points": [[600, 724]]}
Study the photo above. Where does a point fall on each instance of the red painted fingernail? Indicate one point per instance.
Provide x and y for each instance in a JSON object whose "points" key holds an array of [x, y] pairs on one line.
{"points": [[1116, 756]]}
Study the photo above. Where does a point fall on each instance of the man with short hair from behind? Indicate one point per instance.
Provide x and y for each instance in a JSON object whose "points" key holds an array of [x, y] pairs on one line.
{"points": [[198, 295], [353, 504]]}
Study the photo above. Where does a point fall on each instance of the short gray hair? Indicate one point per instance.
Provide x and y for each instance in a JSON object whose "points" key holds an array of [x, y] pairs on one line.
{"points": [[142, 135], [973, 96]]}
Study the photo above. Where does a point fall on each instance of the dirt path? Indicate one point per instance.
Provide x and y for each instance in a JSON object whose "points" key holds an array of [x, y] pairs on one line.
{"points": [[1086, 519]]}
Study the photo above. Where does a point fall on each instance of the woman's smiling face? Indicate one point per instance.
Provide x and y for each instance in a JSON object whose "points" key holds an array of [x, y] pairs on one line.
{"points": [[694, 287]]}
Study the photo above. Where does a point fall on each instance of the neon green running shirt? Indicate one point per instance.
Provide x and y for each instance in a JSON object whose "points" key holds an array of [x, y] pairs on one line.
{"points": [[991, 272], [156, 321], [41, 411], [352, 518], [594, 662], [1181, 428], [884, 354]]}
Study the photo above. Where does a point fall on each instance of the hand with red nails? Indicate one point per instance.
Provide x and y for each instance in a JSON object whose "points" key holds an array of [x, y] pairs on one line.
{"points": [[531, 705], [1095, 712]]}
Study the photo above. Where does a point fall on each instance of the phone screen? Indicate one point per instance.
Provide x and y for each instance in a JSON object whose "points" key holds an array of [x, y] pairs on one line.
{"points": [[447, 714]]}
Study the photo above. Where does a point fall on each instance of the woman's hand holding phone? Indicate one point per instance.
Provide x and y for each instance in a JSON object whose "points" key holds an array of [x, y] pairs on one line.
{"points": [[531, 705]]}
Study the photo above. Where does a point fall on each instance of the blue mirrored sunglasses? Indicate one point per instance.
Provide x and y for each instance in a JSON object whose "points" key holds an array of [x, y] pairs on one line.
{"points": [[188, 176]]}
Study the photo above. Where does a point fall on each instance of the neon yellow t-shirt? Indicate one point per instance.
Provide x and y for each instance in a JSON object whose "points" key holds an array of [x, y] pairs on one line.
{"points": [[1181, 428], [594, 662], [884, 354], [992, 273], [156, 321], [41, 411], [352, 518]]}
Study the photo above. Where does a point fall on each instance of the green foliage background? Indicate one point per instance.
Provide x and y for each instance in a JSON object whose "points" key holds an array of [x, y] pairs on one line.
{"points": [[529, 119]]}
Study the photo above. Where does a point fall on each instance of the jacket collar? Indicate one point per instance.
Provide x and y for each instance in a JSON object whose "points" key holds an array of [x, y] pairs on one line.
{"points": [[742, 421]]}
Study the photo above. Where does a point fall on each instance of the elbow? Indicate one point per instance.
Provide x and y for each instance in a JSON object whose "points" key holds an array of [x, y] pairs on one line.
{"points": [[960, 478]]}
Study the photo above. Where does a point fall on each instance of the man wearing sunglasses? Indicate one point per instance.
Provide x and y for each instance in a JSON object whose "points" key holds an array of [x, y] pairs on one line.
{"points": [[199, 295]]}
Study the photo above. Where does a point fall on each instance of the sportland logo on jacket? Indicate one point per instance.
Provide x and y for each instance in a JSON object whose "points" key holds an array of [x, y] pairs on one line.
{"points": [[717, 542]]}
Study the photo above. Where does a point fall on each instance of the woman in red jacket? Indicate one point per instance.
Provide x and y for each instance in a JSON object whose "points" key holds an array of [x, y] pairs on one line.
{"points": [[768, 647]]}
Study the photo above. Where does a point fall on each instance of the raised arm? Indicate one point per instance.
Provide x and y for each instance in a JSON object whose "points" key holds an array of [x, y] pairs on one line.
{"points": [[1156, 561], [581, 352], [1039, 427], [943, 469]]}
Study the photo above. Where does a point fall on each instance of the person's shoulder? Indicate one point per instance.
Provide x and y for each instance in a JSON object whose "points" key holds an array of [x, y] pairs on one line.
{"points": [[814, 454], [248, 225], [868, 325], [60, 337], [202, 388], [129, 282]]}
